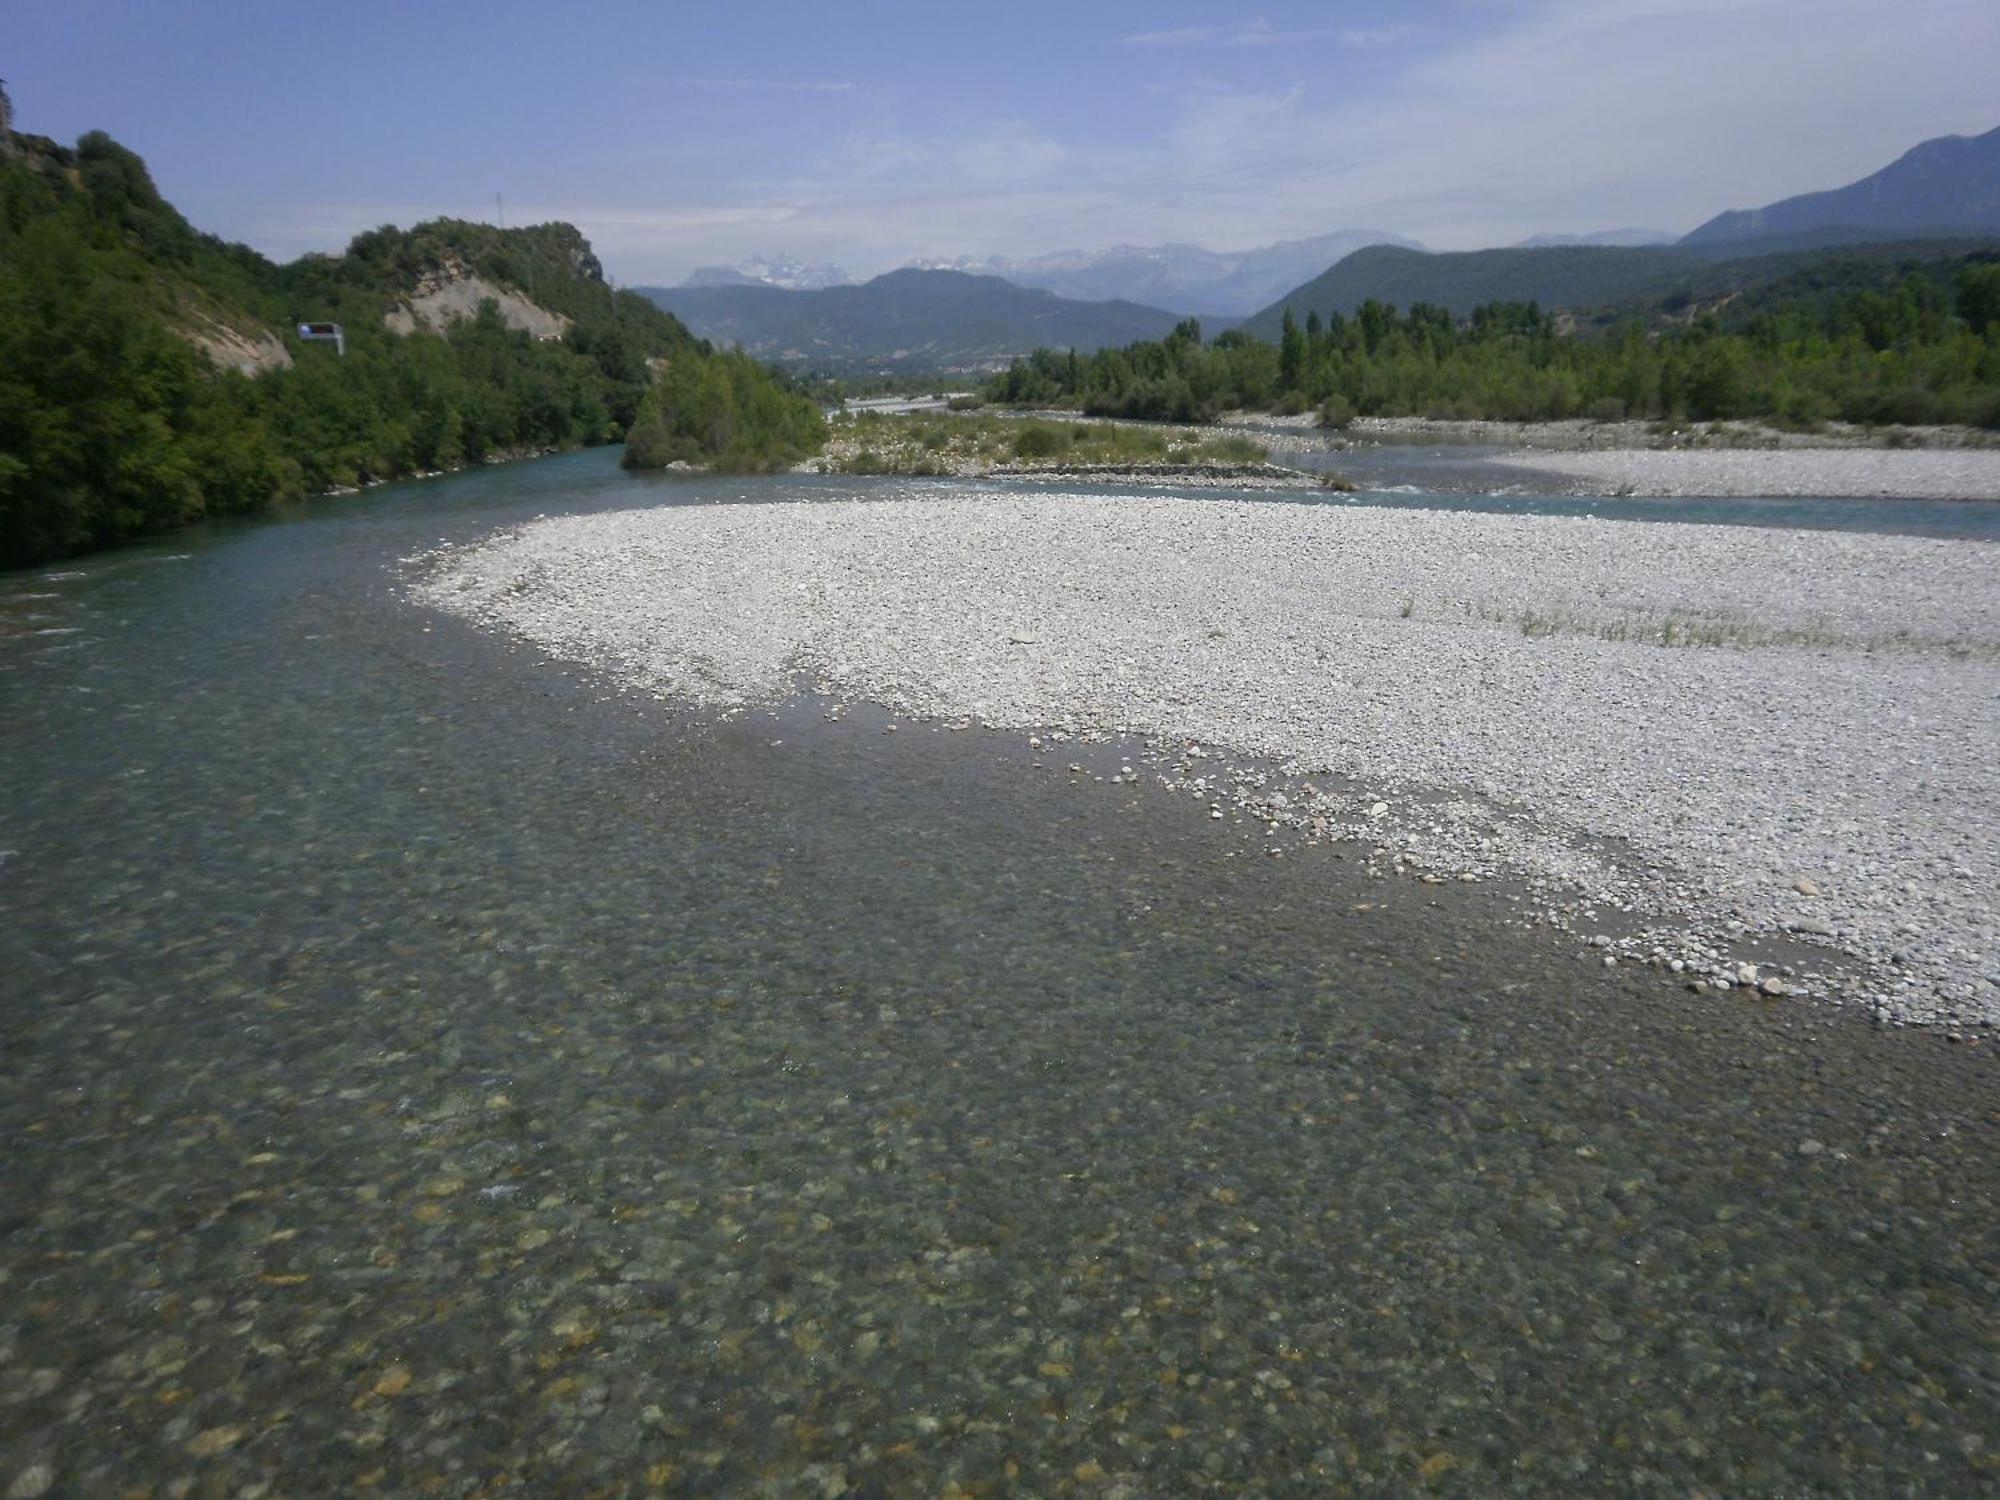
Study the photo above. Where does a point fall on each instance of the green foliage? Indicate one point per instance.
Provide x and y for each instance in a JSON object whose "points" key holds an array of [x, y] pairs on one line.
{"points": [[1041, 440], [1336, 413], [723, 411], [1613, 283], [1920, 348], [933, 443], [109, 424], [113, 424], [1979, 296], [1234, 449]]}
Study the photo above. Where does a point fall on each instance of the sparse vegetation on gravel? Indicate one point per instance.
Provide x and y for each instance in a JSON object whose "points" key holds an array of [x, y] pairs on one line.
{"points": [[964, 443]]}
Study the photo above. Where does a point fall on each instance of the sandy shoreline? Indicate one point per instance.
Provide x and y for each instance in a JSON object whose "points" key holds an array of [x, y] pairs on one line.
{"points": [[1687, 740]]}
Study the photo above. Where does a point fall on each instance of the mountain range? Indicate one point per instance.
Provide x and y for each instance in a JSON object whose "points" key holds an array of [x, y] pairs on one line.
{"points": [[1186, 278], [1950, 184], [781, 271], [1603, 283], [1600, 237], [974, 311], [909, 319], [1939, 199]]}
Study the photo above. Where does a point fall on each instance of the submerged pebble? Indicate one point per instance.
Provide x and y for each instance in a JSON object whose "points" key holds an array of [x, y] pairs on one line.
{"points": [[441, 1075]]}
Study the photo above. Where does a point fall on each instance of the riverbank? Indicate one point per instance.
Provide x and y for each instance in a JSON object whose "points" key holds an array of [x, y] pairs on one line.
{"points": [[1731, 753], [1580, 435], [491, 460], [1902, 474], [1718, 459]]}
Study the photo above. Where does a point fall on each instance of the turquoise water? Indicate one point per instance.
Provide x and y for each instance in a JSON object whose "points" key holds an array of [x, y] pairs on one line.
{"points": [[1461, 476], [428, 1069], [1975, 520]]}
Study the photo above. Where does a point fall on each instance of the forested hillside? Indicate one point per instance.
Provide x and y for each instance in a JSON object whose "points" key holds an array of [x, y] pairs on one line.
{"points": [[905, 319], [1555, 276], [1591, 279], [125, 335], [1950, 184], [1923, 347]]}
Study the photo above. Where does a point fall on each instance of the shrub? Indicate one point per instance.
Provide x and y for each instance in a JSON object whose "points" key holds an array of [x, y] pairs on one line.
{"points": [[1041, 440], [1908, 406], [1233, 450], [1336, 413]]}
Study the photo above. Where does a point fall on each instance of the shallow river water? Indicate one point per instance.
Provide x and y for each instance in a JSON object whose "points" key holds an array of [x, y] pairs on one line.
{"points": [[425, 1070]]}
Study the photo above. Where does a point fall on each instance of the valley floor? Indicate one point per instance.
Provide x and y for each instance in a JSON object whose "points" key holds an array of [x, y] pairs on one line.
{"points": [[1759, 758]]}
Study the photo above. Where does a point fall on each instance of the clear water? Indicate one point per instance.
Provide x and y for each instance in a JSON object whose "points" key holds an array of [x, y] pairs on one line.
{"points": [[1976, 520], [1465, 477], [426, 1069]]}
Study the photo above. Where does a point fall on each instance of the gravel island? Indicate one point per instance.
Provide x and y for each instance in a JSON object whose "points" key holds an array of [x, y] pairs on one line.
{"points": [[1761, 758]]}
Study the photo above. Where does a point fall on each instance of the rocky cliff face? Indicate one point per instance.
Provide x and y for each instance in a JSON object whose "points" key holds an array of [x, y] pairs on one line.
{"points": [[453, 291], [232, 348]]}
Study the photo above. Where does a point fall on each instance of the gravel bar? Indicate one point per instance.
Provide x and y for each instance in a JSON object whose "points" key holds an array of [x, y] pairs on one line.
{"points": [[1908, 474], [1761, 758]]}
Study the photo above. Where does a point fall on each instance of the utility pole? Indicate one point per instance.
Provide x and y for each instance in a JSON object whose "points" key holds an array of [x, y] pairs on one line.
{"points": [[500, 210]]}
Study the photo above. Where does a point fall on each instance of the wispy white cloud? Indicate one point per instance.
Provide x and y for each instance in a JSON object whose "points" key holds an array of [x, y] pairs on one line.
{"points": [[697, 217], [1575, 114], [1376, 36], [1261, 33], [1009, 154], [780, 85], [1180, 36], [876, 152], [1554, 115]]}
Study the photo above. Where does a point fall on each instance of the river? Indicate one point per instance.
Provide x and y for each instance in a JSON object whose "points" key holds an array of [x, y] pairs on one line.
{"points": [[429, 1069]]}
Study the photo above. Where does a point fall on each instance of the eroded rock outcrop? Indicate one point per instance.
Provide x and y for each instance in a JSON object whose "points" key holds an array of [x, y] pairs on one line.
{"points": [[453, 291]]}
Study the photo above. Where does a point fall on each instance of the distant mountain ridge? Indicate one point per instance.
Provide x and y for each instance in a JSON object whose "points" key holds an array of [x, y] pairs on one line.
{"points": [[1179, 277], [1555, 276], [1598, 280], [908, 319], [779, 271], [1947, 185], [1626, 237], [1185, 278]]}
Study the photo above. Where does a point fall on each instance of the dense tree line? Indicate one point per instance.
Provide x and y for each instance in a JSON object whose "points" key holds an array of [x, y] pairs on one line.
{"points": [[112, 424], [1925, 349]]}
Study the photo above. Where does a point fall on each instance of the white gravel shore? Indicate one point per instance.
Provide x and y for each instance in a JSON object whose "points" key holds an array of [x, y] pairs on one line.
{"points": [[1902, 473], [1690, 741]]}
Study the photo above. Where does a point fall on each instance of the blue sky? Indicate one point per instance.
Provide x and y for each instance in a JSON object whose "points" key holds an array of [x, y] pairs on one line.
{"points": [[677, 135]]}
